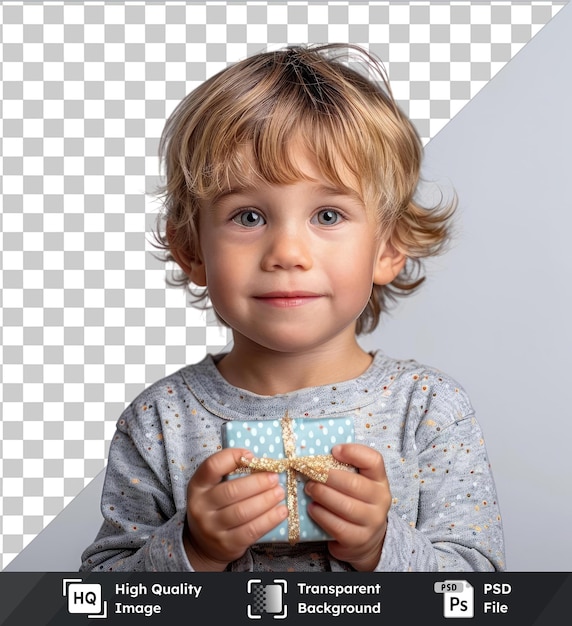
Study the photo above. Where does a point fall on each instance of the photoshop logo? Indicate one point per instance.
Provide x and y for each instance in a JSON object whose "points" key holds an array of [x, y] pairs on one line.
{"points": [[458, 598]]}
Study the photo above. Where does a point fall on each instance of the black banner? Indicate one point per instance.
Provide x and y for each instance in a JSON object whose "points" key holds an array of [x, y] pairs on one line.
{"points": [[59, 599]]}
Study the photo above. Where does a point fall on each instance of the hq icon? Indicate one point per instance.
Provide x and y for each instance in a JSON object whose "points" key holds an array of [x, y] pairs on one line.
{"points": [[84, 598]]}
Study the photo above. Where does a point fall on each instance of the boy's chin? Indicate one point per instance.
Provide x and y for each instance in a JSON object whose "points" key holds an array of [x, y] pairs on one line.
{"points": [[294, 342]]}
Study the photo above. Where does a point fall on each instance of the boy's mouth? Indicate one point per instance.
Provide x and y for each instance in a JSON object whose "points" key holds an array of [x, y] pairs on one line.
{"points": [[288, 298]]}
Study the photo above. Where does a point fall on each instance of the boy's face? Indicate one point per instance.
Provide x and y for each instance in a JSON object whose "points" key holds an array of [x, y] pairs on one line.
{"points": [[290, 267]]}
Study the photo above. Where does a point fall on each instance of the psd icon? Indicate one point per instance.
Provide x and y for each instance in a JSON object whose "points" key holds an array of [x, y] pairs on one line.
{"points": [[458, 598], [267, 599]]}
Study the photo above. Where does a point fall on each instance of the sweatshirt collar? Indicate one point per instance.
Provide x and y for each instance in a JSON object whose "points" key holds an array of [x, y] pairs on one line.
{"points": [[221, 398]]}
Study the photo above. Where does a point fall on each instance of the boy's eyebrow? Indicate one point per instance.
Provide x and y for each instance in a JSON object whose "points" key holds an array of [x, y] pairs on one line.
{"points": [[330, 190], [334, 190], [229, 191]]}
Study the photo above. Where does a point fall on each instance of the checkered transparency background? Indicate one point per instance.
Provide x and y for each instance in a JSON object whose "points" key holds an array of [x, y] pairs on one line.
{"points": [[87, 321]]}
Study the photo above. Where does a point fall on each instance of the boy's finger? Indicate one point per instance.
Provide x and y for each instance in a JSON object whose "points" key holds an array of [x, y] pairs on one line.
{"points": [[240, 489], [247, 511], [368, 461], [216, 467]]}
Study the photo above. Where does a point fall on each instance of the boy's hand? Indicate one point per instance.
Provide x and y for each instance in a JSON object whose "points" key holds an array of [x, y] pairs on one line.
{"points": [[352, 507], [225, 517]]}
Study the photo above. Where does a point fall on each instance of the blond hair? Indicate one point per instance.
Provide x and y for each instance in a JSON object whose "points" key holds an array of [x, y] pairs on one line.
{"points": [[337, 100]]}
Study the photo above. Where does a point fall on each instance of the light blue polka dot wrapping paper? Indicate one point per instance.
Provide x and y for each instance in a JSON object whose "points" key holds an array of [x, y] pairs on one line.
{"points": [[312, 436]]}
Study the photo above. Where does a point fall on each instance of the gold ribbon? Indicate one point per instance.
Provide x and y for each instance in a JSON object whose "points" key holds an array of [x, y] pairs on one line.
{"points": [[314, 467]]}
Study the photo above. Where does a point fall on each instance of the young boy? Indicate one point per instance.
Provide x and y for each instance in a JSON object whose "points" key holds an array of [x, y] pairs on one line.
{"points": [[290, 179]]}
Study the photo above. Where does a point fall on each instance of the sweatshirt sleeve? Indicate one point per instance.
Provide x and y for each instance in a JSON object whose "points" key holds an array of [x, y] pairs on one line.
{"points": [[458, 525], [142, 528]]}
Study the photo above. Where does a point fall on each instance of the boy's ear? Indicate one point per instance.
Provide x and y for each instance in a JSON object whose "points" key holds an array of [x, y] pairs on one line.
{"points": [[389, 263], [191, 264]]}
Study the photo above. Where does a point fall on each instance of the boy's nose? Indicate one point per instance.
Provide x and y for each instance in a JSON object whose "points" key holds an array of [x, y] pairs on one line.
{"points": [[286, 250]]}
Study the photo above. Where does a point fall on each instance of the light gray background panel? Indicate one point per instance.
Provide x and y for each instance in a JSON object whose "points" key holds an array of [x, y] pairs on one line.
{"points": [[59, 546], [496, 310]]}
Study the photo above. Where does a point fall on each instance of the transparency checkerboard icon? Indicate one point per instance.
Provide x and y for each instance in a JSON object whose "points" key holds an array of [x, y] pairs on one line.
{"points": [[458, 598], [267, 599]]}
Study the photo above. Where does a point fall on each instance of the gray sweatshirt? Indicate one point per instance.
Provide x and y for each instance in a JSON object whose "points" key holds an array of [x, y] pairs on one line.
{"points": [[444, 514]]}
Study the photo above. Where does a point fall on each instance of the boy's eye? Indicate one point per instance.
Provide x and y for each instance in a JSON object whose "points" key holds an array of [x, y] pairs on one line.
{"points": [[249, 219], [328, 217]]}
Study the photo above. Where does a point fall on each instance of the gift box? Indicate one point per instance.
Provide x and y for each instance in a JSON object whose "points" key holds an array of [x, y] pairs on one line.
{"points": [[298, 450]]}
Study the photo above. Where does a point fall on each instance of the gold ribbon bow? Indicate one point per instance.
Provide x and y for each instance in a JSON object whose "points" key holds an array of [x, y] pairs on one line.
{"points": [[315, 467]]}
